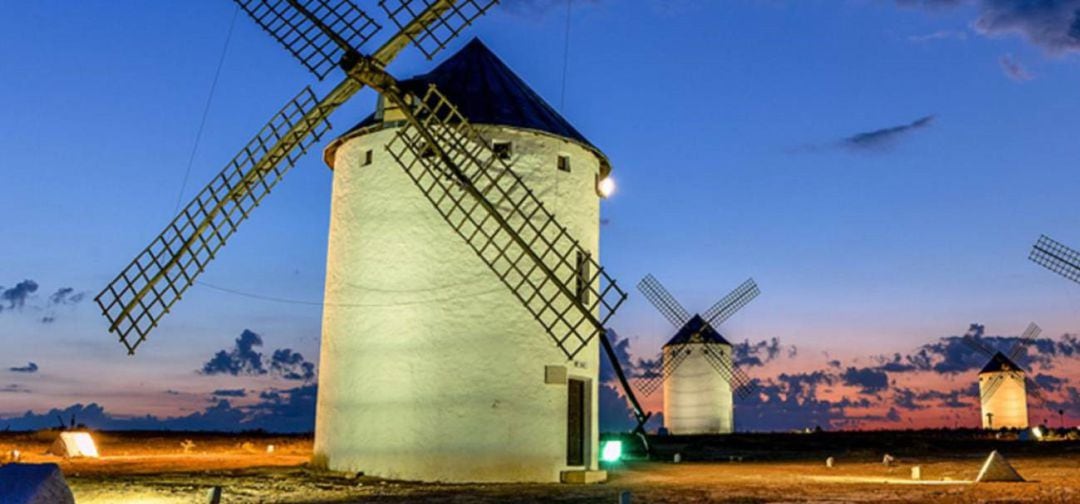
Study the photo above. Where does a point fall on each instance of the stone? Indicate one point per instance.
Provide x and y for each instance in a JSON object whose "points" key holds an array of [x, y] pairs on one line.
{"points": [[34, 484], [916, 473], [582, 477], [829, 462], [997, 469], [214, 496]]}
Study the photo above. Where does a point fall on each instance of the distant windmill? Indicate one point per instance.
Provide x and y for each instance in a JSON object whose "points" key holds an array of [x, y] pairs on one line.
{"points": [[1004, 386], [423, 376], [1055, 256], [696, 367]]}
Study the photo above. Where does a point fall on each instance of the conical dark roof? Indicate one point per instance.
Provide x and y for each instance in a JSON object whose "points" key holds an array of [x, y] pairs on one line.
{"points": [[999, 362], [696, 330], [486, 91]]}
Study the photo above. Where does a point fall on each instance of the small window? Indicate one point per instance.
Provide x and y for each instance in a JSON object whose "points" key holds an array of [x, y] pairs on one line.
{"points": [[367, 158], [583, 278], [564, 163], [503, 150]]}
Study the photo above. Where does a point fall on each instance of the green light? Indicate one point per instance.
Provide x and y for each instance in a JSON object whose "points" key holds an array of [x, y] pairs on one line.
{"points": [[610, 451]]}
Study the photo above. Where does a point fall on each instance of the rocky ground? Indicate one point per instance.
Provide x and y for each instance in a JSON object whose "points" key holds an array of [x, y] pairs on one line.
{"points": [[157, 468]]}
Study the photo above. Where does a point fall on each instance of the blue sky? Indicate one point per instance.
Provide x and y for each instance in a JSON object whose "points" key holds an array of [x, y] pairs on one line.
{"points": [[728, 125]]}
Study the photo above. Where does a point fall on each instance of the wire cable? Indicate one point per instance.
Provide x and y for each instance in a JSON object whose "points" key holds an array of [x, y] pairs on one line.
{"points": [[566, 56], [342, 305], [206, 110]]}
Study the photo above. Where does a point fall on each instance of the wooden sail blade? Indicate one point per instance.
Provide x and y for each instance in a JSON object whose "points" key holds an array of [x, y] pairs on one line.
{"points": [[319, 33], [1055, 256], [741, 384], [650, 384], [486, 203], [452, 16], [991, 386], [137, 299], [659, 296], [1028, 337], [732, 303], [977, 345]]}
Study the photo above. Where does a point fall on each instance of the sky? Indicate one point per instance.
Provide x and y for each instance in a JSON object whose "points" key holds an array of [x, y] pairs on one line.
{"points": [[880, 168]]}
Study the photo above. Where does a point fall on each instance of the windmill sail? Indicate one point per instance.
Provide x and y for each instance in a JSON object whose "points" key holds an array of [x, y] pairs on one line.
{"points": [[136, 300], [432, 36], [664, 302], [733, 302], [1057, 257], [508, 227], [318, 33]]}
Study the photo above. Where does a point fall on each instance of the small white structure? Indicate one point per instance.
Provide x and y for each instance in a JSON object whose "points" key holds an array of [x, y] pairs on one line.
{"points": [[697, 398], [72, 444], [997, 470], [430, 368], [1003, 394]]}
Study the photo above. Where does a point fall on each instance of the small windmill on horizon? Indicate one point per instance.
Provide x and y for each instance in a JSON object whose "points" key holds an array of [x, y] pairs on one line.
{"points": [[1004, 386], [696, 366]]}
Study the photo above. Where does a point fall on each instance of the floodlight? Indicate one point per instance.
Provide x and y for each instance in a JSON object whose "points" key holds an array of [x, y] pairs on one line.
{"points": [[74, 444], [610, 451], [606, 187]]}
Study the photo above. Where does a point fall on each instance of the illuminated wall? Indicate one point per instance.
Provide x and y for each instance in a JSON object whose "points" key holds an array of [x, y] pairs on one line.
{"points": [[697, 399], [1007, 406], [430, 368]]}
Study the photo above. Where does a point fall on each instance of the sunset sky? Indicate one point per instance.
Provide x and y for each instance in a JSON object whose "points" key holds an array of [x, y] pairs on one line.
{"points": [[880, 168]]}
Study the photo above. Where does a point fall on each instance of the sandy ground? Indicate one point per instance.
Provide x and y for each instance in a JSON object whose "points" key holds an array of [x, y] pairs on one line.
{"points": [[155, 469]]}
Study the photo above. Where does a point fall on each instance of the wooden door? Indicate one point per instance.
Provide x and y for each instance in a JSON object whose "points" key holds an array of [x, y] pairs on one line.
{"points": [[575, 422]]}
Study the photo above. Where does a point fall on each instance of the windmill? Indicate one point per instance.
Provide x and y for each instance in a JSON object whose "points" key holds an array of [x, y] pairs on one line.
{"points": [[1003, 384], [696, 367], [423, 367]]}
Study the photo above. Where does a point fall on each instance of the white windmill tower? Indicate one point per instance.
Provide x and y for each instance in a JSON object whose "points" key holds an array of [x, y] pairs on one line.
{"points": [[696, 369], [1003, 384], [448, 276]]}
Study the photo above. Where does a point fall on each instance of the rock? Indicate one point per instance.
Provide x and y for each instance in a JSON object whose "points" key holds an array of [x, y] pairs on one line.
{"points": [[916, 473], [997, 469], [34, 484], [888, 460], [829, 462]]}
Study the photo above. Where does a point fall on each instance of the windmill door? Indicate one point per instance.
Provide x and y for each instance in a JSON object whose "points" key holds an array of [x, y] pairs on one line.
{"points": [[576, 416]]}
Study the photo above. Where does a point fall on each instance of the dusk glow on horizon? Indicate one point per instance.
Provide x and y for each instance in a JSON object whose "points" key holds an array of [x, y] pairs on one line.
{"points": [[880, 169]]}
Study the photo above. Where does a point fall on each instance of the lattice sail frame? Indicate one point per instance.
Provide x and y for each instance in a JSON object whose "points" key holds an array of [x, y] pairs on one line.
{"points": [[504, 222], [321, 49], [731, 303], [741, 384], [1028, 337], [156, 279], [434, 37], [664, 302], [651, 383], [991, 386], [1057, 257]]}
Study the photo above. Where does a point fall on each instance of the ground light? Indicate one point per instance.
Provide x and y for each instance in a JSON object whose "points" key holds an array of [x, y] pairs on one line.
{"points": [[76, 444], [610, 451]]}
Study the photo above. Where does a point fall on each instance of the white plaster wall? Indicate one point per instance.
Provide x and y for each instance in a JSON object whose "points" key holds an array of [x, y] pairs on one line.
{"points": [[430, 369], [697, 399], [1008, 403]]}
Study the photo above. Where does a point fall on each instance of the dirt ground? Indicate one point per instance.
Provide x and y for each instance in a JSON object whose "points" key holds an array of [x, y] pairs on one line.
{"points": [[155, 468]]}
